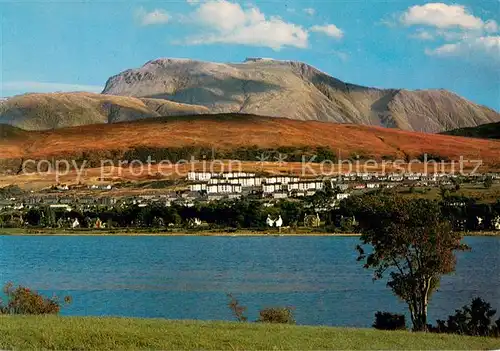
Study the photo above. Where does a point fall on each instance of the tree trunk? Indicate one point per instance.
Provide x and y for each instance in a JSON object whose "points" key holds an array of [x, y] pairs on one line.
{"points": [[418, 308]]}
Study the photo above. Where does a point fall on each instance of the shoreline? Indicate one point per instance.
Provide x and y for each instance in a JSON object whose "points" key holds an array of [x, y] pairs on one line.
{"points": [[172, 234], [243, 233]]}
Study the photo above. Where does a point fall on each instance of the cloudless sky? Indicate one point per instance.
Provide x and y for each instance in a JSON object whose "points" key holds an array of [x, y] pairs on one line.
{"points": [[79, 44]]}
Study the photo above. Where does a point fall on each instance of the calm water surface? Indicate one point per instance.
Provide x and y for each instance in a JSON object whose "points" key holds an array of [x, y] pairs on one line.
{"points": [[188, 277]]}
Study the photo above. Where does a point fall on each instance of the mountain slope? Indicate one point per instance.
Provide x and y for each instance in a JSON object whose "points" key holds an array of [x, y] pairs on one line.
{"points": [[58, 110], [298, 91], [485, 131], [233, 131]]}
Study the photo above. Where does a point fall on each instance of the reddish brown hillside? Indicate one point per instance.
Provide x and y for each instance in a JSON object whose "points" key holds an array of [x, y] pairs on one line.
{"points": [[231, 131]]}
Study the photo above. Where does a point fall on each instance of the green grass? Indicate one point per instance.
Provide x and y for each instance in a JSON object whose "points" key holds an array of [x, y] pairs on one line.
{"points": [[65, 333], [476, 191]]}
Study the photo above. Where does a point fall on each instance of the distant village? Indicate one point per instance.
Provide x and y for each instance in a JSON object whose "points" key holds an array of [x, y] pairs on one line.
{"points": [[207, 187]]}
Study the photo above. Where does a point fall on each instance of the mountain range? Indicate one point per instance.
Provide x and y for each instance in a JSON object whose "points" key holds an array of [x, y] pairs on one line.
{"points": [[266, 87]]}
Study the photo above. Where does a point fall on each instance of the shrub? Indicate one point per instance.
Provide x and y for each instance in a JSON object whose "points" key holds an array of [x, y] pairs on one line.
{"points": [[389, 321], [488, 182], [282, 315], [237, 309], [432, 157], [22, 300], [475, 320]]}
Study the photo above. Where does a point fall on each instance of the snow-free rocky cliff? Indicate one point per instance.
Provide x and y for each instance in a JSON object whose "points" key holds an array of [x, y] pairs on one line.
{"points": [[298, 91], [166, 87]]}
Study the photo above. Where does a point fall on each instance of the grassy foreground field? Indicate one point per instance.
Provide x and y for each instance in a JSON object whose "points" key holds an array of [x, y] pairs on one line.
{"points": [[65, 333]]}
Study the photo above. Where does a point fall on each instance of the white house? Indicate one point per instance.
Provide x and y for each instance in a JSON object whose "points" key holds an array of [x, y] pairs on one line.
{"points": [[280, 179], [249, 181], [396, 178], [306, 185], [279, 222], [269, 221], [201, 176], [413, 177], [496, 223], [75, 224], [223, 188], [271, 188], [342, 187], [198, 187], [62, 206], [231, 175], [280, 195], [342, 196], [298, 193], [215, 196]]}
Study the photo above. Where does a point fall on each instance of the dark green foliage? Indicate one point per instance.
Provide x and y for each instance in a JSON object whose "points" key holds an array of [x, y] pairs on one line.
{"points": [[389, 321], [243, 213], [409, 240], [282, 315], [174, 155], [34, 216], [292, 212], [432, 157], [237, 214], [249, 212], [22, 300], [485, 131], [325, 153], [488, 182], [10, 191], [456, 183], [475, 319], [359, 156]]}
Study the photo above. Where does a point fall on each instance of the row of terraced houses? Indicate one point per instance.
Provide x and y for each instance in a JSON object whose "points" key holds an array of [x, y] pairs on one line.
{"points": [[235, 184]]}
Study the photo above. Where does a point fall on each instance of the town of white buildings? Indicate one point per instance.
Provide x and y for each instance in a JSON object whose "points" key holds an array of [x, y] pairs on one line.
{"points": [[216, 186], [206, 186]]}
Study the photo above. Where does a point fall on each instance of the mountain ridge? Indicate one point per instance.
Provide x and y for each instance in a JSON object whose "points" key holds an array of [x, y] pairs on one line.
{"points": [[45, 111], [296, 90], [266, 87]]}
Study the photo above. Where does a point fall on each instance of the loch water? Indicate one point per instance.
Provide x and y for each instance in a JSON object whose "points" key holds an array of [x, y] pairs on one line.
{"points": [[189, 277]]}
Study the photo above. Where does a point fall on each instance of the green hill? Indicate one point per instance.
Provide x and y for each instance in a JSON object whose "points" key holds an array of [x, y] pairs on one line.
{"points": [[10, 132], [484, 131]]}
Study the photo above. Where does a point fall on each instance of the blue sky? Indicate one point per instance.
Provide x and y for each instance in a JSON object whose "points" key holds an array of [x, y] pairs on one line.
{"points": [[76, 45]]}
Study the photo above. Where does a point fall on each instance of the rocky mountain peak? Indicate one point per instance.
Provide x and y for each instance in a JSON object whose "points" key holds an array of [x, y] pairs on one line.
{"points": [[259, 86]]}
